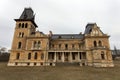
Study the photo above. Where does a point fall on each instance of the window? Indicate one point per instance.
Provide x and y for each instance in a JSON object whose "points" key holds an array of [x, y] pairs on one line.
{"points": [[22, 25], [39, 44], [73, 46], [66, 46], [19, 25], [22, 34], [35, 56], [42, 56], [26, 25], [59, 37], [102, 55], [29, 55], [95, 44], [59, 45], [19, 34], [19, 45], [100, 43], [35, 43], [18, 56]]}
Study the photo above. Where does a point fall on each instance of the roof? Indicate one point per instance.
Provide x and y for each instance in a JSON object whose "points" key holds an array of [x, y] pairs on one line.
{"points": [[67, 36], [27, 15], [89, 28]]}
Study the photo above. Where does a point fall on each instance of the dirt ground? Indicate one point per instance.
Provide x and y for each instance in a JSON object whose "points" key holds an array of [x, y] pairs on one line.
{"points": [[59, 73]]}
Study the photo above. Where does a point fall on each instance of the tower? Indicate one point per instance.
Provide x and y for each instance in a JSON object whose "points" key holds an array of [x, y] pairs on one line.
{"points": [[25, 26], [97, 47]]}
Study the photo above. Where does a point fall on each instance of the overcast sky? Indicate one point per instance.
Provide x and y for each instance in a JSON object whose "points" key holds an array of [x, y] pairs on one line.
{"points": [[62, 16]]}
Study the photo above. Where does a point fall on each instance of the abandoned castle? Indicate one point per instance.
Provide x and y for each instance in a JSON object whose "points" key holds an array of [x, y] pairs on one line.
{"points": [[34, 48]]}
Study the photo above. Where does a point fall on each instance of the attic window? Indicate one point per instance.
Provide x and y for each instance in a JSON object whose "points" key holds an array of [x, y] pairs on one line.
{"points": [[90, 30], [59, 37]]}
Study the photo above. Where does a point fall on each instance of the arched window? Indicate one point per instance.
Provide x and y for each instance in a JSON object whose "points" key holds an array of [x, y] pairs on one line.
{"points": [[42, 56], [35, 56], [22, 25], [66, 46], [39, 44], [19, 34], [22, 34], [35, 44], [95, 44], [19, 45], [26, 25], [29, 55], [19, 25], [100, 43], [102, 55], [18, 56]]}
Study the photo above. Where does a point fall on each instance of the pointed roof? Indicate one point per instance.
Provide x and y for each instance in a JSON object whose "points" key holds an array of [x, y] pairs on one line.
{"points": [[27, 15]]}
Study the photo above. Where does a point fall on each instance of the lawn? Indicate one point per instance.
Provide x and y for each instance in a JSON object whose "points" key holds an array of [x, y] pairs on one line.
{"points": [[59, 73]]}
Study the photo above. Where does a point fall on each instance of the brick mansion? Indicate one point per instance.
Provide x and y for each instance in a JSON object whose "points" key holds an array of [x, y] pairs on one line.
{"points": [[31, 47]]}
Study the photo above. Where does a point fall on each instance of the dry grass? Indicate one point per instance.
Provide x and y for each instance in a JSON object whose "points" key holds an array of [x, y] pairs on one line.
{"points": [[59, 73]]}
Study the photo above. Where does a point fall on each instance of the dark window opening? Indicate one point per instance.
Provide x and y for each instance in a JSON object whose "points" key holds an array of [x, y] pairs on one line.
{"points": [[95, 44], [35, 56], [42, 56], [19, 45], [29, 56], [22, 25], [102, 55], [66, 46], [73, 46], [35, 43], [39, 44], [52, 45], [59, 45], [100, 43], [19, 25], [59, 37], [16, 63], [18, 56], [50, 64], [26, 25], [28, 64], [35, 64], [22, 34], [80, 56], [41, 63]]}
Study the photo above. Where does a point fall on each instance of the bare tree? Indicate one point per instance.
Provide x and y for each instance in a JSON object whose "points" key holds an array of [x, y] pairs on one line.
{"points": [[3, 50]]}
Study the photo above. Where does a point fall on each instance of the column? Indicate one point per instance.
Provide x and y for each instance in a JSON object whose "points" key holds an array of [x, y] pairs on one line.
{"points": [[62, 56]]}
